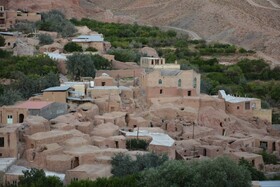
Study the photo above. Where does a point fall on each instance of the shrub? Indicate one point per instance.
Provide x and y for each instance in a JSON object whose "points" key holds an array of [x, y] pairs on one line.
{"points": [[136, 144], [25, 27], [125, 55], [45, 39], [123, 165], [269, 158], [72, 47], [255, 174], [2, 41], [219, 172], [55, 21], [92, 49]]}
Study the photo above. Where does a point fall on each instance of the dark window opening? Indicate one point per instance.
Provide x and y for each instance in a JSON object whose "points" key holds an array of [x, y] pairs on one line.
{"points": [[263, 145], [117, 144], [103, 83], [221, 124], [238, 107], [159, 81], [273, 146], [204, 152], [160, 92], [21, 118], [189, 93], [2, 142]]}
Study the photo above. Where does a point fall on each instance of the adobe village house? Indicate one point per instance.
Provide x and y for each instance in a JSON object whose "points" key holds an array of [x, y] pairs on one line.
{"points": [[164, 107]]}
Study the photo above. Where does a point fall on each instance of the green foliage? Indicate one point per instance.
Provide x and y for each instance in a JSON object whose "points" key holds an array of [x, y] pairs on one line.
{"points": [[80, 65], [72, 47], [219, 172], [123, 165], [45, 39], [101, 62], [137, 144], [216, 48], [28, 85], [25, 27], [125, 55], [255, 174], [9, 96], [2, 41], [253, 69], [38, 178], [4, 54], [269, 158], [127, 181], [91, 49], [55, 21], [35, 65]]}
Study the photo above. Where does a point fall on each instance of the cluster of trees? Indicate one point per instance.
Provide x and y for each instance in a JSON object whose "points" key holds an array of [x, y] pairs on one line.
{"points": [[151, 170], [55, 21], [125, 55], [85, 65], [28, 75]]}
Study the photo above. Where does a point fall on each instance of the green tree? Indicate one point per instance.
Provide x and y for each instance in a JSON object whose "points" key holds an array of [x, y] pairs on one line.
{"points": [[219, 172], [38, 178], [73, 47], [55, 20], [269, 158], [79, 65], [45, 39], [101, 62], [125, 55], [255, 174], [127, 181], [2, 41], [9, 96], [122, 164], [25, 27], [91, 49]]}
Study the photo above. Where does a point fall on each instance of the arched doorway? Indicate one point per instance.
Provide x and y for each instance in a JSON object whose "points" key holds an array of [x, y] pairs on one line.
{"points": [[21, 118]]}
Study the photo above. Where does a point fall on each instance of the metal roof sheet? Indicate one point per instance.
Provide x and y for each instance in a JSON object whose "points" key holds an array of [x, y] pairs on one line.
{"points": [[57, 88], [167, 72]]}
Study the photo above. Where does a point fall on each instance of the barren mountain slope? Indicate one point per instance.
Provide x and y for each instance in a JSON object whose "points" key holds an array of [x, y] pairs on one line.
{"points": [[250, 23]]}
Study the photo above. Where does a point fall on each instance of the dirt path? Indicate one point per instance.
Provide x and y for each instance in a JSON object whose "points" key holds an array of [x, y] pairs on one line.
{"points": [[192, 34], [253, 3], [273, 4]]}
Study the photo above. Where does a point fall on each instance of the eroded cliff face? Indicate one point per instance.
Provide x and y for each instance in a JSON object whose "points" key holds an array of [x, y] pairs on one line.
{"points": [[249, 23]]}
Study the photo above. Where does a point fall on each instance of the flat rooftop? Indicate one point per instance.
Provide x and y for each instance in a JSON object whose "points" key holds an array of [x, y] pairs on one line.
{"points": [[233, 99], [157, 138], [57, 89], [33, 104]]}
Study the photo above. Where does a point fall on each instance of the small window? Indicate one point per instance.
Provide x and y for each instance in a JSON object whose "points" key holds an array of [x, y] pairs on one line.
{"points": [[189, 93], [159, 81], [238, 107], [2, 140], [160, 91], [179, 83], [103, 83]]}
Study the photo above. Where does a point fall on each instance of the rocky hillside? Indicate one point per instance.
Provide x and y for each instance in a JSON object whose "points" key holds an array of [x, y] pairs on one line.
{"points": [[252, 24]]}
